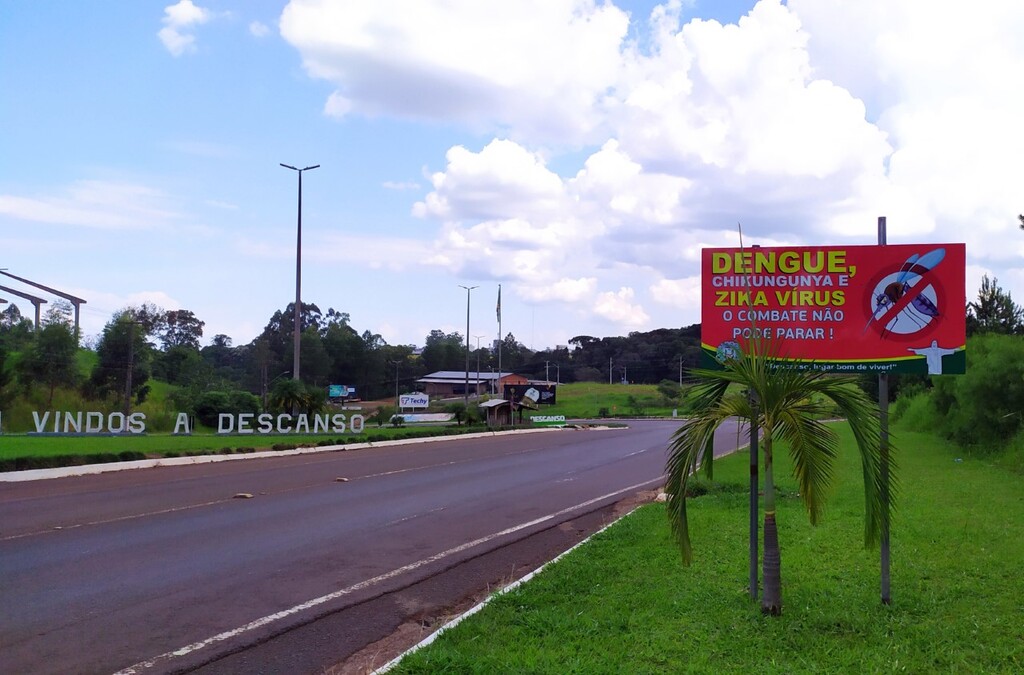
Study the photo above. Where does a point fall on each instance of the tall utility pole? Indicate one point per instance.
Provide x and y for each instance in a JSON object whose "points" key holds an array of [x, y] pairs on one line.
{"points": [[609, 370], [128, 375], [547, 378], [680, 370], [478, 337], [498, 390], [397, 399], [298, 275], [465, 392]]}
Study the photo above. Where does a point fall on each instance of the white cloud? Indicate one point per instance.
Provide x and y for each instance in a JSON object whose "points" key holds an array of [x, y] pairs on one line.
{"points": [[678, 293], [374, 252], [258, 29], [563, 290], [400, 185], [619, 309], [95, 204], [202, 149], [614, 183], [178, 19], [539, 67], [502, 180], [337, 106], [221, 205]]}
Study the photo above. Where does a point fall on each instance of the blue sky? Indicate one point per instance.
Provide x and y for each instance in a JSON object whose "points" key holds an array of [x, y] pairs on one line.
{"points": [[578, 153]]}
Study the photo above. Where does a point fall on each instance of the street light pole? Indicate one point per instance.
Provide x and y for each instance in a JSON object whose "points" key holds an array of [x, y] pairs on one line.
{"points": [[478, 358], [465, 392], [397, 399], [298, 275]]}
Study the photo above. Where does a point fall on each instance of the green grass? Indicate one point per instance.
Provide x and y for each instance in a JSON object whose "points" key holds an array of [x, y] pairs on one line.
{"points": [[75, 449], [624, 603], [586, 399]]}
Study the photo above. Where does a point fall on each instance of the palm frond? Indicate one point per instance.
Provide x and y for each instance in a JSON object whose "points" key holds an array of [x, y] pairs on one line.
{"points": [[813, 448], [691, 447]]}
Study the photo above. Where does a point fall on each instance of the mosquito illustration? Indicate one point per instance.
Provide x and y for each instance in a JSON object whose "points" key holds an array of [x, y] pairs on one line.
{"points": [[915, 268]]}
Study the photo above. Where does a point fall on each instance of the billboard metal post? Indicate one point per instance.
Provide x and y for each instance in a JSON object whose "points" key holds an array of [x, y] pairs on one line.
{"points": [[754, 433], [883, 412]]}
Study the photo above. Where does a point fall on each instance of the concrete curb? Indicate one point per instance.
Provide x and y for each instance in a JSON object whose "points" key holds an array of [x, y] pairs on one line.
{"points": [[91, 469], [479, 606]]}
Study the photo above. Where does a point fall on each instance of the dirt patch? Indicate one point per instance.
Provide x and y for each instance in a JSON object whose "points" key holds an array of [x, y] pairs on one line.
{"points": [[629, 503], [408, 635], [411, 633]]}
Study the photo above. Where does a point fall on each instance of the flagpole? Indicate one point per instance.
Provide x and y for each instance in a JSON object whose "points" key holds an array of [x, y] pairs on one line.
{"points": [[500, 340]]}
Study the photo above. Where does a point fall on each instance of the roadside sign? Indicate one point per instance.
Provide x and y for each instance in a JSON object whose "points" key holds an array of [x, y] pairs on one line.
{"points": [[883, 309]]}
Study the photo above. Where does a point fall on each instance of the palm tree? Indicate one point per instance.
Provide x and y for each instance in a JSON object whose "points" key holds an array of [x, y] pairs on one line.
{"points": [[790, 401], [295, 396]]}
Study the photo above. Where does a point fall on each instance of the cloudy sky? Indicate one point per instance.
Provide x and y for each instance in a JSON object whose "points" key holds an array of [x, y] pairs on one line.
{"points": [[579, 153]]}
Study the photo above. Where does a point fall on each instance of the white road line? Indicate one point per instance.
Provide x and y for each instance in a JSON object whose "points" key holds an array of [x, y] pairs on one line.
{"points": [[418, 515], [414, 468], [61, 528], [309, 604]]}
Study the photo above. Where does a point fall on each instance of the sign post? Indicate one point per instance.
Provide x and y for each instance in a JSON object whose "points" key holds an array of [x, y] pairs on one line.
{"points": [[883, 442]]}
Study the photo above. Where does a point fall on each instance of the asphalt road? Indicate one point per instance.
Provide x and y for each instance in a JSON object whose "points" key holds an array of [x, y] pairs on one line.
{"points": [[175, 569]]}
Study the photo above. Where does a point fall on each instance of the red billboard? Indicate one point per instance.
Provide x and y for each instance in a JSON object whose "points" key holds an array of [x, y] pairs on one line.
{"points": [[896, 308]]}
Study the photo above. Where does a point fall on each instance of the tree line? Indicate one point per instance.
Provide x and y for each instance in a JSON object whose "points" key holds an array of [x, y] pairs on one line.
{"points": [[145, 343]]}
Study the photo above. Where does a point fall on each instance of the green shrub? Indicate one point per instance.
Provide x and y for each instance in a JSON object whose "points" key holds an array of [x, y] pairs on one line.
{"points": [[983, 408], [1013, 458], [670, 390], [53, 461], [700, 486], [457, 409], [208, 405], [383, 415]]}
